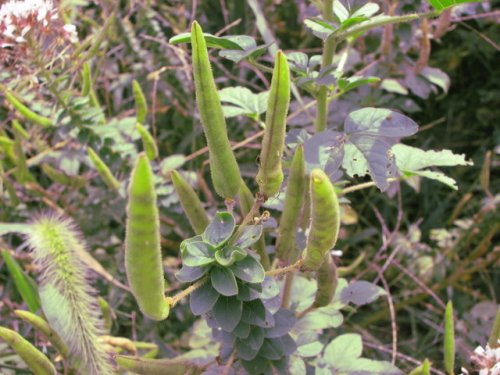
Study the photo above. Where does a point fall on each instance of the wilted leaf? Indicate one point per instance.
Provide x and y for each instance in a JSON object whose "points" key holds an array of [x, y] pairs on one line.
{"points": [[361, 292]]}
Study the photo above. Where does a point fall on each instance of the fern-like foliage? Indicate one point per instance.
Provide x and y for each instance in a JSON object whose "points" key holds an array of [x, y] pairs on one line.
{"points": [[68, 300]]}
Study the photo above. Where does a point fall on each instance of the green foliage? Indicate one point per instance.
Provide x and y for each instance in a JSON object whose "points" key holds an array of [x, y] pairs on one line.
{"points": [[253, 305]]}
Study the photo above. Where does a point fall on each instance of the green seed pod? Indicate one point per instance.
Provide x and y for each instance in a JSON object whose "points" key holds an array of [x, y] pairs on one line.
{"points": [[270, 174], [67, 299], [42, 326], [193, 208], [143, 262], [223, 166], [26, 112], [106, 314], [148, 142], [449, 339], [171, 366], [141, 106], [86, 79], [103, 170], [22, 172], [423, 369], [327, 283], [285, 245], [35, 359], [325, 220]]}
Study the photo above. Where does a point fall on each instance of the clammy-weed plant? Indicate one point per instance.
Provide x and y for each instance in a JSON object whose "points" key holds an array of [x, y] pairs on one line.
{"points": [[251, 298]]}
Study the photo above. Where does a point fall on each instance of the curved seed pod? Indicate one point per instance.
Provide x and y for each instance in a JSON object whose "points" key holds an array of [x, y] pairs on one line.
{"points": [[26, 112], [171, 366], [449, 339], [423, 369], [325, 222], [86, 79], [327, 283], [68, 300], [148, 142], [103, 170], [285, 245], [143, 263], [107, 315], [141, 106], [35, 359], [270, 174], [223, 166], [42, 326], [193, 208]]}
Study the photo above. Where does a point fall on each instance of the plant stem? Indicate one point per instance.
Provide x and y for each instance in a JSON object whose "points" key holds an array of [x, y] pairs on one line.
{"points": [[259, 200], [286, 269], [364, 185], [172, 301], [329, 47]]}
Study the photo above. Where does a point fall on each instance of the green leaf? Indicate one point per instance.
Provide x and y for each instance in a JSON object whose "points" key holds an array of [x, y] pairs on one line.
{"points": [[228, 255], [227, 312], [211, 40], [367, 10], [319, 27], [198, 254], [189, 274], [220, 229], [369, 366], [223, 281], [250, 235], [443, 4], [26, 287], [324, 317], [172, 162], [412, 160], [347, 84], [437, 77], [343, 349], [250, 49], [361, 292], [203, 299], [242, 101], [249, 270], [308, 344]]}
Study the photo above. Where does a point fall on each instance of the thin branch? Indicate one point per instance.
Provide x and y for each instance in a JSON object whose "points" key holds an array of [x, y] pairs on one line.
{"points": [[172, 301], [280, 271]]}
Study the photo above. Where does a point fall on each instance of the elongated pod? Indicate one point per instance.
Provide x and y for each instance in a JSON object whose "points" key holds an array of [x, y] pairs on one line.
{"points": [[35, 359], [327, 282], [171, 366], [449, 339], [42, 326], [141, 106], [325, 220], [143, 262], [190, 202], [148, 142], [26, 112], [285, 246], [223, 166], [68, 300], [103, 170], [270, 175]]}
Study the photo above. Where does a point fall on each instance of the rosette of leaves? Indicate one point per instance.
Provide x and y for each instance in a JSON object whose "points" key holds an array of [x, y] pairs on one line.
{"points": [[237, 300]]}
